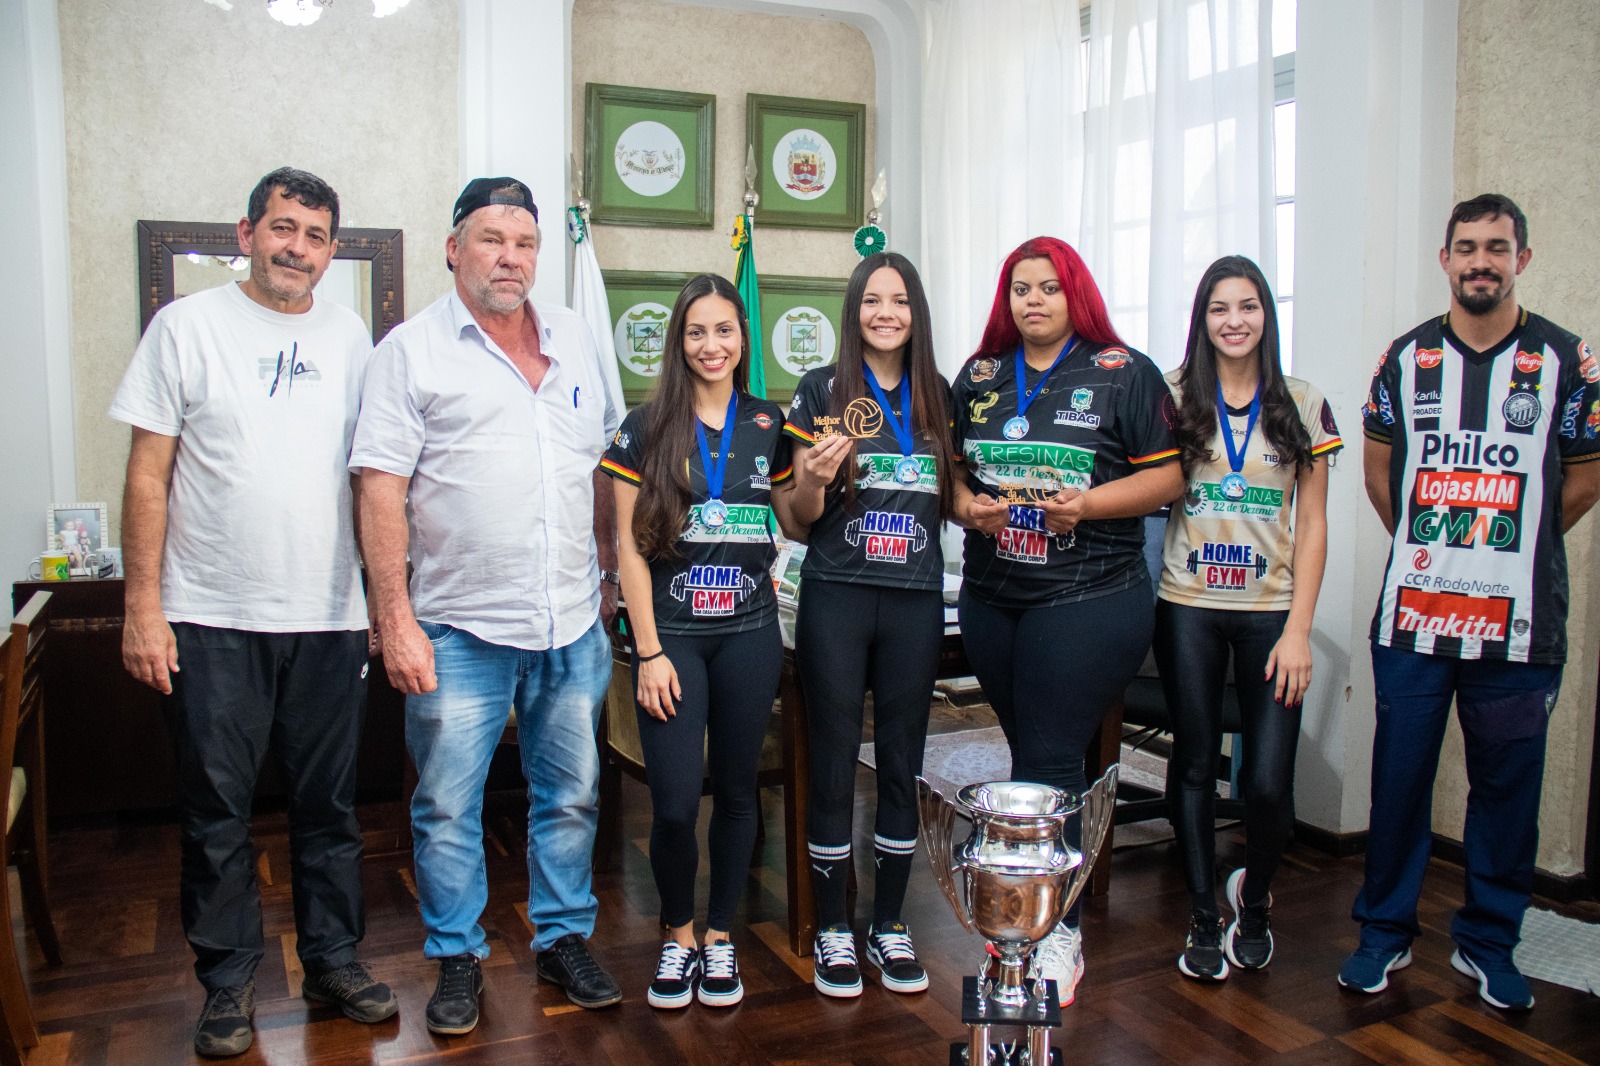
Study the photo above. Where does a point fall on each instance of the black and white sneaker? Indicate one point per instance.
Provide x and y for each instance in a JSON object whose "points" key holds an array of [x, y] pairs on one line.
{"points": [[719, 982], [1248, 940], [836, 973], [1202, 957], [890, 950], [676, 975]]}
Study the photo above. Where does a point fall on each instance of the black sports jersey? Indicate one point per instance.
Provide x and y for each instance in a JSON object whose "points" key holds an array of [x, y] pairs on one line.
{"points": [[1477, 569], [721, 580], [1104, 413], [891, 535]]}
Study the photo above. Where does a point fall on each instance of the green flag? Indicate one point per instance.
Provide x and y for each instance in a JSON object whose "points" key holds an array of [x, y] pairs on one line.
{"points": [[744, 278]]}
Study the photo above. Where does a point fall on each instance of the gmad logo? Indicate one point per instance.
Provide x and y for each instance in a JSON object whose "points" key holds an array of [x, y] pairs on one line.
{"points": [[886, 536], [712, 590]]}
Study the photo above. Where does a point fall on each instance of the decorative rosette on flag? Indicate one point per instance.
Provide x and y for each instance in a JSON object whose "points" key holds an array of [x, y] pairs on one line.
{"points": [[869, 240]]}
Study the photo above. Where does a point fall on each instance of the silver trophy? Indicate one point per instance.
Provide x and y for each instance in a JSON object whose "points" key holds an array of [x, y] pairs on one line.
{"points": [[1018, 878]]}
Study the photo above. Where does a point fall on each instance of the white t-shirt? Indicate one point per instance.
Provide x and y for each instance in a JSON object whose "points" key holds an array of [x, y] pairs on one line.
{"points": [[501, 502], [260, 534]]}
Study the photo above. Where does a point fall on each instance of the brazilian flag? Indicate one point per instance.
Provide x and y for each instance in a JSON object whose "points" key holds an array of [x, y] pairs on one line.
{"points": [[744, 278]]}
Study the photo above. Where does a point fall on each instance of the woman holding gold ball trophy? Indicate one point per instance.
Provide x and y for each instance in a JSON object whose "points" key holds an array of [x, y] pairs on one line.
{"points": [[698, 472], [1066, 439], [872, 487]]}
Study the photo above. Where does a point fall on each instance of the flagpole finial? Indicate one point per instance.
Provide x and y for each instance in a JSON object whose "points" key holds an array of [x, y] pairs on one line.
{"points": [[751, 197], [880, 193]]}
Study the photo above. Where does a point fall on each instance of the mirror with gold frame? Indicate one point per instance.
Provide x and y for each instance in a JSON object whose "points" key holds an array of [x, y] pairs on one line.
{"points": [[180, 258]]}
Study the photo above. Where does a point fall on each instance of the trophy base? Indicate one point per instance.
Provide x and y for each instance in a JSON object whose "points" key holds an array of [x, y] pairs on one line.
{"points": [[958, 1055], [1041, 1013]]}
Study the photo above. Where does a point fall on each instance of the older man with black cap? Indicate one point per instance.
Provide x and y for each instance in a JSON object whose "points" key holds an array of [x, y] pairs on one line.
{"points": [[489, 412]]}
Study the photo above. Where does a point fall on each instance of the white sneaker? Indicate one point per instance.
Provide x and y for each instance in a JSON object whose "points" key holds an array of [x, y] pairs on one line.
{"points": [[1059, 957]]}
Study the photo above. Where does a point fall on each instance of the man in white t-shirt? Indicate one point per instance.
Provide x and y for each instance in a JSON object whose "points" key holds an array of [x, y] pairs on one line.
{"points": [[483, 419], [244, 601]]}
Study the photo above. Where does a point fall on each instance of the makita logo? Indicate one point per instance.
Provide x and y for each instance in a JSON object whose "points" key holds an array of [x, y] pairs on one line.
{"points": [[1447, 614], [1467, 449]]}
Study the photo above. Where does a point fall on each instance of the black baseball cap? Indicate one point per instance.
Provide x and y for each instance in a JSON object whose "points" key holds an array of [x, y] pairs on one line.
{"points": [[482, 192]]}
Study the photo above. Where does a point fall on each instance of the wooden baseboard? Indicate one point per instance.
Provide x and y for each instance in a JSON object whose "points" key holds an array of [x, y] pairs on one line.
{"points": [[1561, 889]]}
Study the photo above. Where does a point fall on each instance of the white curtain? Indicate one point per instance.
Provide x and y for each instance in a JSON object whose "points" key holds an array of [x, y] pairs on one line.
{"points": [[589, 301], [1152, 162]]}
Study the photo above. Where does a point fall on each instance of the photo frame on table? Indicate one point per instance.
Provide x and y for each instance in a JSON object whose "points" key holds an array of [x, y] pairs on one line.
{"points": [[802, 320], [812, 159], [640, 302], [648, 155], [77, 529]]}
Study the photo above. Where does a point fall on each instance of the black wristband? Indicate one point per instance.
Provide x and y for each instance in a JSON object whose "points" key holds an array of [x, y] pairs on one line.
{"points": [[657, 655]]}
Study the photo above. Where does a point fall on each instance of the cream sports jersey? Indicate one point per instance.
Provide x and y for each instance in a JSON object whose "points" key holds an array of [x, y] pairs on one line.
{"points": [[1238, 555], [1477, 569]]}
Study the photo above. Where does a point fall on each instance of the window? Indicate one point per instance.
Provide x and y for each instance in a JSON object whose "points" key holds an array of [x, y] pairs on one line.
{"points": [[1283, 52]]}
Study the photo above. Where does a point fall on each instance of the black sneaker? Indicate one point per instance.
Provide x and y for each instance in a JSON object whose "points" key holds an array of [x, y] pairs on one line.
{"points": [[453, 1010], [1249, 939], [1202, 956], [889, 948], [836, 972], [351, 988], [676, 974], [720, 986], [568, 963], [224, 1027]]}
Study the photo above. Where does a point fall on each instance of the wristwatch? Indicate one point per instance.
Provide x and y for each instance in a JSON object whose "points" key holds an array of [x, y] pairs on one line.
{"points": [[612, 576]]}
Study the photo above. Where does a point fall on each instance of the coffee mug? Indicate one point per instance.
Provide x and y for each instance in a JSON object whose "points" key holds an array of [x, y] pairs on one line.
{"points": [[52, 566]]}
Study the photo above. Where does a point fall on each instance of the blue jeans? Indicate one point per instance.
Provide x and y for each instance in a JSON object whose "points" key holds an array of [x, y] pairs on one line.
{"points": [[1504, 709], [451, 734]]}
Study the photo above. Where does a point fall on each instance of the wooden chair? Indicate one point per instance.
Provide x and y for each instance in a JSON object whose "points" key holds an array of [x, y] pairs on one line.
{"points": [[24, 842]]}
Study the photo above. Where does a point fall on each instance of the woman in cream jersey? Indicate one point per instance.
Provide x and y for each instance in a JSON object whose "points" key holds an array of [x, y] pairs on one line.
{"points": [[1240, 576]]}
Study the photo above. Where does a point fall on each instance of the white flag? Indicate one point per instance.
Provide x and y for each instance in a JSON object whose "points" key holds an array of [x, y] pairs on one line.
{"points": [[589, 301]]}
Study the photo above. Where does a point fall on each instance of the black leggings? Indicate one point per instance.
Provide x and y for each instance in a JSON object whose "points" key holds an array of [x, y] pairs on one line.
{"points": [[1051, 672], [728, 683], [850, 638], [1192, 645]]}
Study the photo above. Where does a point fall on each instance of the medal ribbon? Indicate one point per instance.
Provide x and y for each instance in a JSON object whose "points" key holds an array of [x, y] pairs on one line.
{"points": [[902, 425], [715, 473], [1236, 455], [1026, 398]]}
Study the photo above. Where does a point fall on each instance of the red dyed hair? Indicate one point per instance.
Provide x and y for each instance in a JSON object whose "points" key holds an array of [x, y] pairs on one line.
{"points": [[1085, 306]]}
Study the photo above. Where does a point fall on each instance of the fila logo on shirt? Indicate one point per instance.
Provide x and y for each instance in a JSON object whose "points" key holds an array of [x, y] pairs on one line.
{"points": [[886, 536], [712, 590], [1227, 567], [285, 370]]}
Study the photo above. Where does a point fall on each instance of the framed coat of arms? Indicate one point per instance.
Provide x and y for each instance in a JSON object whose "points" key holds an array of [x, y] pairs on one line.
{"points": [[812, 159], [641, 306], [802, 319], [647, 156]]}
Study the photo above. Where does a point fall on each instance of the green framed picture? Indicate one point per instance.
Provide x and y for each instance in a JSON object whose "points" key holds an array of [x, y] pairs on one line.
{"points": [[811, 155], [802, 320], [647, 155], [640, 302]]}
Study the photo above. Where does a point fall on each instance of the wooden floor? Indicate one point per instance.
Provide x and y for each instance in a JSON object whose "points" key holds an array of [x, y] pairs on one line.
{"points": [[127, 996]]}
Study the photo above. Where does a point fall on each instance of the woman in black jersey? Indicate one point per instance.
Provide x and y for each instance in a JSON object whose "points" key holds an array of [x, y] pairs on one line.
{"points": [[1066, 438], [872, 485], [695, 471], [1240, 579]]}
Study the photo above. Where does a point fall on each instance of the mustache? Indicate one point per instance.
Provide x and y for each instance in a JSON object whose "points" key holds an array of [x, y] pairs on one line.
{"points": [[1481, 275], [292, 261]]}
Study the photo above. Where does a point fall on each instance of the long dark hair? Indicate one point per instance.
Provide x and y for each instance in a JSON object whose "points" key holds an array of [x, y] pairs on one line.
{"points": [[1197, 420], [1085, 306], [669, 418], [930, 414]]}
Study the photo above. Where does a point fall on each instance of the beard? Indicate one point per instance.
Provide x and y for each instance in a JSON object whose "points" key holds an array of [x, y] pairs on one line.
{"points": [[1481, 303], [496, 300], [292, 288]]}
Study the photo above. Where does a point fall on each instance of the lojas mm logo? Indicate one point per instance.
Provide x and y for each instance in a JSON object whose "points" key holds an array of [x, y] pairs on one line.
{"points": [[886, 536], [712, 590]]}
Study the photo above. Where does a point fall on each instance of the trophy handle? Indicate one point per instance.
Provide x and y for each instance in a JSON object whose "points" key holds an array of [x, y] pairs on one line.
{"points": [[1095, 817], [937, 827]]}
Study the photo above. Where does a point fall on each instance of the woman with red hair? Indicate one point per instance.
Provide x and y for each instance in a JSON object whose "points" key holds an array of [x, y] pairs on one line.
{"points": [[1066, 438]]}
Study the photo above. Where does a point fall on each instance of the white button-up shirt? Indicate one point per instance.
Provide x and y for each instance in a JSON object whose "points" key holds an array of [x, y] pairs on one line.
{"points": [[501, 508]]}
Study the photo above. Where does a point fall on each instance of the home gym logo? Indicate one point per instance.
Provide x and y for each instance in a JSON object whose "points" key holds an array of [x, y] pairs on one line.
{"points": [[712, 590], [886, 536], [1227, 567]]}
